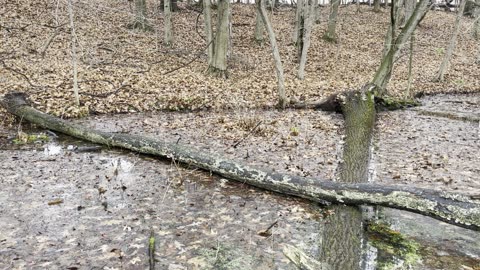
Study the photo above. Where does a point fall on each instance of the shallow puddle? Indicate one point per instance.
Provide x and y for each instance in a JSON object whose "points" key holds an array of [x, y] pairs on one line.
{"points": [[66, 205]]}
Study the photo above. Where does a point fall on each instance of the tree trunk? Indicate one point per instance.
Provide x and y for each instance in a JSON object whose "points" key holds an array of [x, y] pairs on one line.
{"points": [[301, 10], [394, 18], [383, 73], [218, 67], [167, 11], [451, 45], [297, 27], [207, 14], [476, 25], [376, 5], [409, 6], [74, 54], [451, 208], [410, 64], [259, 28], [140, 16], [282, 98], [330, 35], [342, 233], [309, 16]]}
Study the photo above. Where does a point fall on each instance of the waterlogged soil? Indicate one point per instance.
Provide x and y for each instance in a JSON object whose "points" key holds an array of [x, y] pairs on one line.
{"points": [[65, 205]]}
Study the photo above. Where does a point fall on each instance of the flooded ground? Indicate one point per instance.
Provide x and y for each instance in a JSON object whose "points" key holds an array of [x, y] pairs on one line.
{"points": [[65, 205]]}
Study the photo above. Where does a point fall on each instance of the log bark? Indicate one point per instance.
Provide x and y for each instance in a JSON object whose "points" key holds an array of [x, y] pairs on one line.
{"points": [[455, 209]]}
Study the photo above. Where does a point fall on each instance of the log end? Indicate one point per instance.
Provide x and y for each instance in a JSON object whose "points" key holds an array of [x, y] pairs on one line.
{"points": [[14, 99]]}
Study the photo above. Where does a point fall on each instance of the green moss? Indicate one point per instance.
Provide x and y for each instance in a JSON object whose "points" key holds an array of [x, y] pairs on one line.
{"points": [[392, 246], [24, 138]]}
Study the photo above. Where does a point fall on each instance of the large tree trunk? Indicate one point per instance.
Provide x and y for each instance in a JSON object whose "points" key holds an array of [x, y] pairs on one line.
{"points": [[307, 21], [343, 232], [167, 11], [207, 15], [451, 45], [282, 98], [218, 67], [451, 208], [384, 72], [330, 35]]}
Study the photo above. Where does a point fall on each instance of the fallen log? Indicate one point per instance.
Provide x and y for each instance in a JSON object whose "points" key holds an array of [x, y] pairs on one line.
{"points": [[455, 209]]}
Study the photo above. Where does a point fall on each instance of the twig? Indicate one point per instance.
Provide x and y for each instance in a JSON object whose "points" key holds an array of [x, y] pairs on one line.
{"points": [[189, 62], [249, 133], [151, 250], [19, 73]]}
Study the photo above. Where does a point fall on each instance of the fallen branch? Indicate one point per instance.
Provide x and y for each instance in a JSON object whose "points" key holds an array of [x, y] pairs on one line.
{"points": [[462, 116], [455, 209]]}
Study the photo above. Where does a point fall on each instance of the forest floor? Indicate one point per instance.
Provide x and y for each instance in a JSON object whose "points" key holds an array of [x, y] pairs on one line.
{"points": [[122, 70], [65, 209]]}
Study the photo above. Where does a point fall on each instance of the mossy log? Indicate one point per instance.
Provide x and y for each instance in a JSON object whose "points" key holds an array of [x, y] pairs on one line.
{"points": [[455, 209]]}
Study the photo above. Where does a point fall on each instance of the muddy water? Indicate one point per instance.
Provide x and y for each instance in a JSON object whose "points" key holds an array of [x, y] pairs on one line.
{"points": [[61, 207]]}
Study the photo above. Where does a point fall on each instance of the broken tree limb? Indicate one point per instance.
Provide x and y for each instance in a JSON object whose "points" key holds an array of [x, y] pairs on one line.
{"points": [[455, 209]]}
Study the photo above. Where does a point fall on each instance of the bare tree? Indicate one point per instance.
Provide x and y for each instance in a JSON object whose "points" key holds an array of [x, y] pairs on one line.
{"points": [[476, 26], [309, 16], [167, 12], [74, 54], [282, 99], [384, 72], [259, 28], [207, 14], [140, 16], [376, 5], [332, 22], [451, 46], [218, 66]]}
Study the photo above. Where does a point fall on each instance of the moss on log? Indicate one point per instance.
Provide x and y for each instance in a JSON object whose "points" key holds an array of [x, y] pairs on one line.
{"points": [[451, 208]]}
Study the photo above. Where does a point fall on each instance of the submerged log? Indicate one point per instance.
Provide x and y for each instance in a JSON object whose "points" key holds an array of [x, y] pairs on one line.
{"points": [[455, 209]]}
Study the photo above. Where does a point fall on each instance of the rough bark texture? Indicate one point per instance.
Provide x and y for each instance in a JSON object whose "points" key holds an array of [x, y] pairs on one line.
{"points": [[167, 11], [384, 72], [308, 17], [476, 26], [300, 27], [358, 109], [376, 5], [259, 28], [332, 22], [451, 46], [456, 209], [282, 98], [74, 54], [341, 241], [207, 14], [219, 61], [342, 233]]}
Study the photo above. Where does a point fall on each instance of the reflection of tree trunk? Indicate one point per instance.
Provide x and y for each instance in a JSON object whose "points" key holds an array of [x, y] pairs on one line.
{"points": [[341, 238]]}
